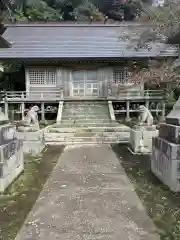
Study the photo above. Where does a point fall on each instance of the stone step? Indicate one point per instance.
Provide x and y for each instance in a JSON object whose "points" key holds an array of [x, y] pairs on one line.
{"points": [[89, 129], [82, 143], [90, 104], [53, 139], [84, 111], [102, 106], [84, 121], [89, 134], [93, 110], [82, 115], [85, 118], [87, 125]]}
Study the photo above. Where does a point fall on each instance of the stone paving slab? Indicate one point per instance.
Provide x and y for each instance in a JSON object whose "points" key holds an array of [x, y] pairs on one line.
{"points": [[91, 160], [88, 197]]}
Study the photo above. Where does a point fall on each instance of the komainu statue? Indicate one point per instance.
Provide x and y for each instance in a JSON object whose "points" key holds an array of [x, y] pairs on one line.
{"points": [[145, 116], [32, 116]]}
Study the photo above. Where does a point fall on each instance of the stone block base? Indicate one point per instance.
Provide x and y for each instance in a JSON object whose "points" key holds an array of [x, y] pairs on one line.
{"points": [[32, 128], [12, 163], [166, 168], [33, 147], [170, 132], [135, 139], [171, 150]]}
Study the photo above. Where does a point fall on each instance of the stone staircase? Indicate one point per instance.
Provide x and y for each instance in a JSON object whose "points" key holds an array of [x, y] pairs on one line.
{"points": [[86, 122]]}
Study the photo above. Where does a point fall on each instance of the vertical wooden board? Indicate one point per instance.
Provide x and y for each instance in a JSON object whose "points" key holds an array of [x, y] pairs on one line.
{"points": [[105, 75], [66, 82], [59, 77]]}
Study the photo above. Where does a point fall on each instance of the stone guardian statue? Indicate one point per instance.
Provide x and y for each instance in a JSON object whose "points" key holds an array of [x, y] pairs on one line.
{"points": [[145, 116], [32, 116]]}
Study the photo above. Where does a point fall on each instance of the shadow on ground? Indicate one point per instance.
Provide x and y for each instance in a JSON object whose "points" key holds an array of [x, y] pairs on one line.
{"points": [[162, 205], [19, 199]]}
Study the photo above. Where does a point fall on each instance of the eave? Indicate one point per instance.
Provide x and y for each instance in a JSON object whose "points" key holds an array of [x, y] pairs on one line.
{"points": [[88, 59], [4, 43]]}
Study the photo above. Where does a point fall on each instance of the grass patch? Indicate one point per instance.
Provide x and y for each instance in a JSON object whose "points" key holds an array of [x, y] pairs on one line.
{"points": [[20, 197], [162, 205]]}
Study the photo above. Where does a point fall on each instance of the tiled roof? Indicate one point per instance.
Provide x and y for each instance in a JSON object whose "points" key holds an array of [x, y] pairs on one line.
{"points": [[63, 41]]}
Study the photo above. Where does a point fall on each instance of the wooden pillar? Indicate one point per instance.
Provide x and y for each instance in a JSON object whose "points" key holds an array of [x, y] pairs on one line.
{"points": [[6, 109], [127, 111], [12, 115], [22, 110], [163, 110], [42, 111]]}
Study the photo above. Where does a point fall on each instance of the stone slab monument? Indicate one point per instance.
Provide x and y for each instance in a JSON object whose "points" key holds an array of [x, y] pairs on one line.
{"points": [[141, 134], [11, 153], [165, 159]]}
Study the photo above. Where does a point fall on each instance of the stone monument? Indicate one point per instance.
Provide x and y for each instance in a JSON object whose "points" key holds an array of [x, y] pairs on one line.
{"points": [[141, 134], [11, 153], [30, 124], [165, 159]]}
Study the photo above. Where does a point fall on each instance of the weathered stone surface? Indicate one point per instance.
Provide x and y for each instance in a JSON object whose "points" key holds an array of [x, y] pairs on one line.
{"points": [[170, 132], [33, 147], [3, 118], [79, 136], [12, 162], [86, 122], [7, 133], [32, 141], [174, 116], [145, 133], [30, 128], [145, 126], [165, 159], [165, 168], [171, 150], [88, 197]]}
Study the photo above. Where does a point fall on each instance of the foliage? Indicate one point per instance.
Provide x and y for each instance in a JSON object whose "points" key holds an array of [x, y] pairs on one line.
{"points": [[166, 19], [165, 22], [19, 9], [88, 9]]}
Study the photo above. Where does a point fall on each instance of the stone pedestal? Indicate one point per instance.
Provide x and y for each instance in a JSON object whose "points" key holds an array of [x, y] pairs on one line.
{"points": [[141, 138], [31, 128], [12, 163], [165, 159], [11, 156], [174, 116]]}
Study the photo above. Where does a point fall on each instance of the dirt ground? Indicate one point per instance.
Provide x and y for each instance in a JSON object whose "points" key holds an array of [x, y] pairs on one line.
{"points": [[19, 198], [162, 205]]}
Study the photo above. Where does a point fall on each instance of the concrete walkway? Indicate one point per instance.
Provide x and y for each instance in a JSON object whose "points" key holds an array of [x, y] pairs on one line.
{"points": [[88, 197]]}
